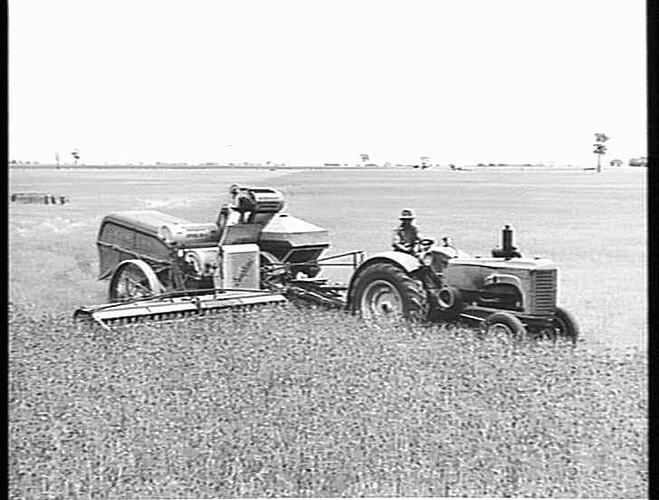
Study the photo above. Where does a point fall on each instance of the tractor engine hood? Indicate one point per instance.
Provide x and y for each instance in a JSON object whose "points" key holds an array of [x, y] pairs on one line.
{"points": [[502, 263], [476, 272]]}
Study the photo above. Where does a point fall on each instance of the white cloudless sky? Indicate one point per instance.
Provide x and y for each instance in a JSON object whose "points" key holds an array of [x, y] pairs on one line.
{"points": [[304, 81]]}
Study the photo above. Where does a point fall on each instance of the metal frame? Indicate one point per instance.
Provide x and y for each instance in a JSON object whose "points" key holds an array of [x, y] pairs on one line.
{"points": [[146, 258], [172, 306], [357, 259], [479, 313]]}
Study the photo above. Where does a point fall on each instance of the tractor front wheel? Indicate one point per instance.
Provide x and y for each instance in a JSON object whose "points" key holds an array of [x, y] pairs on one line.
{"points": [[384, 290], [503, 323], [564, 325]]}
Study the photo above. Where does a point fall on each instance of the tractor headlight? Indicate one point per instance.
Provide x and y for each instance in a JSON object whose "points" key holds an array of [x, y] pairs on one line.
{"points": [[427, 260]]}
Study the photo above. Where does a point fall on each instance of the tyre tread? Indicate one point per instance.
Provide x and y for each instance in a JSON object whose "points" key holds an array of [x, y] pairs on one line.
{"points": [[412, 290]]}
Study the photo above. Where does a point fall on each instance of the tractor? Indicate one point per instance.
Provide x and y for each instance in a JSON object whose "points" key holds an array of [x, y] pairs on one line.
{"points": [[505, 292], [166, 268]]}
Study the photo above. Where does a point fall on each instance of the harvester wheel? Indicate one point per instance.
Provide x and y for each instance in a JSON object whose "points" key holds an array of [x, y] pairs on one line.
{"points": [[133, 279], [383, 290], [503, 323], [564, 325]]}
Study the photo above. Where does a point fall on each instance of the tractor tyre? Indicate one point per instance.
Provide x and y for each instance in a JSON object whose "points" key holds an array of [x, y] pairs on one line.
{"points": [[564, 325], [449, 303], [133, 279], [384, 290], [503, 323]]}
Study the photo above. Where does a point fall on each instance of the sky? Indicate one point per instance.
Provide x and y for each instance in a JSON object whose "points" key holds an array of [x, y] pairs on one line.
{"points": [[309, 82]]}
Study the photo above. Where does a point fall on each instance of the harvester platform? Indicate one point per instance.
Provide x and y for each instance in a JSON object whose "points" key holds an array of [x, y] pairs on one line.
{"points": [[174, 306]]}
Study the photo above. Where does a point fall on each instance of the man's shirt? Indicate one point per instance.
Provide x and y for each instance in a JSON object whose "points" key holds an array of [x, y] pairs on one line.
{"points": [[405, 236]]}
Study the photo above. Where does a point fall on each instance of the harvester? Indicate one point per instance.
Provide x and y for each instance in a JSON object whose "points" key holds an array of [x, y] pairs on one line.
{"points": [[161, 267]]}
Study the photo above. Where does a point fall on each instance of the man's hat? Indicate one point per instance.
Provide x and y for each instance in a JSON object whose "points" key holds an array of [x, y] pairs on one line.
{"points": [[406, 214]]}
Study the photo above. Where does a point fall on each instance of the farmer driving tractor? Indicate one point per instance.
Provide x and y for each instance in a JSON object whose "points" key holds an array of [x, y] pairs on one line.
{"points": [[406, 236]]}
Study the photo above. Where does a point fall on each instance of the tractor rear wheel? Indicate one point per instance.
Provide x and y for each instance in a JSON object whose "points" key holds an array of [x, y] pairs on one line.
{"points": [[384, 290], [503, 323], [133, 279]]}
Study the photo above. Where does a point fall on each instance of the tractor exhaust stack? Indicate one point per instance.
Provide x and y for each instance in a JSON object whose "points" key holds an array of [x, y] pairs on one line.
{"points": [[508, 250]]}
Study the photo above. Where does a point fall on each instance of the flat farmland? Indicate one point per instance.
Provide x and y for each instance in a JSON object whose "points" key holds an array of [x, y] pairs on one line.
{"points": [[593, 226], [303, 402]]}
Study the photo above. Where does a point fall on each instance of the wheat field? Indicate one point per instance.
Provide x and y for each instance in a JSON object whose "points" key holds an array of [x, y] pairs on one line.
{"points": [[291, 401]]}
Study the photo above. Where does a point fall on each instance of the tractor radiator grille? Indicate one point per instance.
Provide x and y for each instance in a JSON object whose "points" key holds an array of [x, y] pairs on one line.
{"points": [[544, 292]]}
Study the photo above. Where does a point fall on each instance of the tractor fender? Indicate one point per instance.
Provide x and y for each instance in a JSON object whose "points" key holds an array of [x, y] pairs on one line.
{"points": [[405, 261]]}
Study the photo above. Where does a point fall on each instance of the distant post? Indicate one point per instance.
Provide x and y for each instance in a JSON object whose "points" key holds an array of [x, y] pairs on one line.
{"points": [[600, 149]]}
